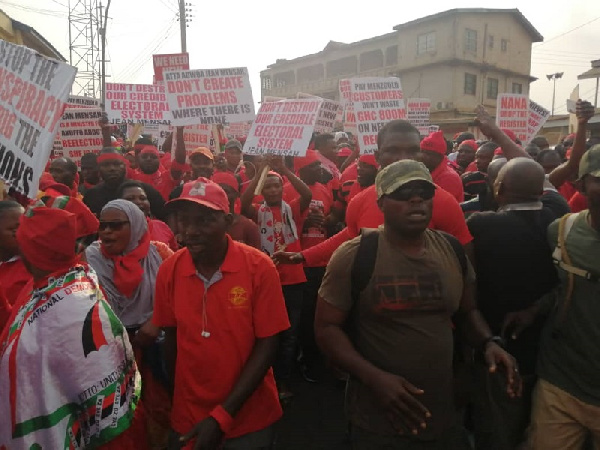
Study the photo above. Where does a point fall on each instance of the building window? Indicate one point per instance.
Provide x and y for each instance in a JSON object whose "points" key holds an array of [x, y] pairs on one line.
{"points": [[492, 88], [284, 79], [391, 55], [371, 60], [471, 40], [503, 45], [491, 41], [470, 84], [315, 72], [267, 83], [517, 88], [343, 66], [426, 43]]}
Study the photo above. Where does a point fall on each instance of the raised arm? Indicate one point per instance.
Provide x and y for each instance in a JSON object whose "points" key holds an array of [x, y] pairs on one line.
{"points": [[488, 126], [305, 193]]}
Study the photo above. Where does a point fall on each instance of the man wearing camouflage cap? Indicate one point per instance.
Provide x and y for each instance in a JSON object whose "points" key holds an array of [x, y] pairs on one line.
{"points": [[385, 315]]}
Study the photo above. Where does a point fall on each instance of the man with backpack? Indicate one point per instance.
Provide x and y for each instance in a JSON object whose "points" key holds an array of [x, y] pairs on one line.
{"points": [[385, 315]]}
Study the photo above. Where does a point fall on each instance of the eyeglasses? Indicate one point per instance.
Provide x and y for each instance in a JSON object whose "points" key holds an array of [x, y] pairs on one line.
{"points": [[405, 194], [116, 225]]}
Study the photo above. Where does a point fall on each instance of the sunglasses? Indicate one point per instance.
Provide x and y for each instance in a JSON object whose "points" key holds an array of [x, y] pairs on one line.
{"points": [[116, 225], [405, 194]]}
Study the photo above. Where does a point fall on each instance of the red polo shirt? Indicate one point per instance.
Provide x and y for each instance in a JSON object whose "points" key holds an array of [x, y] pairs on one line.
{"points": [[244, 305], [363, 212], [447, 178], [350, 173]]}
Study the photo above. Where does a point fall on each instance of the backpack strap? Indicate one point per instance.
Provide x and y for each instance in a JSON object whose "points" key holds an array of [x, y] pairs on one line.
{"points": [[459, 251], [361, 273]]}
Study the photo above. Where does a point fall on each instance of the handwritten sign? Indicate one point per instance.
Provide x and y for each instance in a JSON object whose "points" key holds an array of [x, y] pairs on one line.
{"points": [[418, 113], [512, 113], [207, 97], [349, 116], [33, 95], [137, 103], [537, 118], [376, 102], [283, 127], [80, 132], [170, 62], [328, 114]]}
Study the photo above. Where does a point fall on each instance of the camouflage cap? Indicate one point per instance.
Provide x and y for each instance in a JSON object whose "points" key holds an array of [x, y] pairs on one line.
{"points": [[398, 174], [590, 163]]}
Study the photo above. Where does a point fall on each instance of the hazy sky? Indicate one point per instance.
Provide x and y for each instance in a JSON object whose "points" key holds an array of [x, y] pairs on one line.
{"points": [[254, 34]]}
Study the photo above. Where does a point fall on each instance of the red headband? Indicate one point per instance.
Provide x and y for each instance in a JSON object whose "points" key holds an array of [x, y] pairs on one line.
{"points": [[110, 156], [149, 149]]}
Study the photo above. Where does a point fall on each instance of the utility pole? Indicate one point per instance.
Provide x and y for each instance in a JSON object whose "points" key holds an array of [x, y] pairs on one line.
{"points": [[182, 25], [103, 25], [554, 76]]}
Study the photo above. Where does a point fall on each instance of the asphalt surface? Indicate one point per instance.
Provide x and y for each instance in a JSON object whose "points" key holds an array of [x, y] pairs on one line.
{"points": [[314, 418]]}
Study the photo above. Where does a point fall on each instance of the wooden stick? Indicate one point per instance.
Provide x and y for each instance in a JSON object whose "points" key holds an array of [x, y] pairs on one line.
{"points": [[136, 131], [261, 180]]}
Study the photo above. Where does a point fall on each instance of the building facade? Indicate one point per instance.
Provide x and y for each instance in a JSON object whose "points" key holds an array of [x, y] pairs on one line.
{"points": [[458, 58], [18, 33]]}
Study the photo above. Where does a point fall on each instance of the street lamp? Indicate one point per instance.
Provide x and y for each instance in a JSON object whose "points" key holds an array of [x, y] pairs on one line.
{"points": [[554, 76]]}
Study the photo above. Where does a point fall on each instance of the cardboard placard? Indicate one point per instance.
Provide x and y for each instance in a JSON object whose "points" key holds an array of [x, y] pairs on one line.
{"points": [[207, 97], [238, 130], [376, 102], [33, 98], [512, 113], [137, 103], [537, 118], [283, 128], [418, 111], [328, 114], [169, 62], [194, 136], [80, 132]]}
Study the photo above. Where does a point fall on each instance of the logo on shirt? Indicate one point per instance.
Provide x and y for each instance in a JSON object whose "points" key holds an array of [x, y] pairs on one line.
{"points": [[238, 296]]}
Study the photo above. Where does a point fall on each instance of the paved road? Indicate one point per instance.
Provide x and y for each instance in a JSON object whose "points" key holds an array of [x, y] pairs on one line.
{"points": [[314, 419]]}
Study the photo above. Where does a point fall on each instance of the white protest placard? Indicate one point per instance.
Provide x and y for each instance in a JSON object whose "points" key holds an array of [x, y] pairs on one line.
{"points": [[418, 112], [537, 118], [76, 101], [238, 130], [215, 96], [433, 129], [194, 136], [57, 148], [80, 132], [169, 62], [376, 102], [328, 114], [33, 97], [512, 113], [137, 103], [283, 128]]}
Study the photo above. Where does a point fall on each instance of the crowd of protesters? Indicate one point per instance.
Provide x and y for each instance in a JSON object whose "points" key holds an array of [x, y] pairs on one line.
{"points": [[154, 299]]}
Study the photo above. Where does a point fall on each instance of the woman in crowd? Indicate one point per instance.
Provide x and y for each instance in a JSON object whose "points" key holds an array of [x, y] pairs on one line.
{"points": [[159, 231], [127, 262]]}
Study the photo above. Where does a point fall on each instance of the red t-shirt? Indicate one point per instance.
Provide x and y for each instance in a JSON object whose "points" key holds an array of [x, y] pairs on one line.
{"points": [[161, 180], [5, 310], [13, 277], [567, 190], [363, 212], [245, 231], [160, 231], [578, 202], [322, 200], [449, 180], [350, 173], [245, 305]]}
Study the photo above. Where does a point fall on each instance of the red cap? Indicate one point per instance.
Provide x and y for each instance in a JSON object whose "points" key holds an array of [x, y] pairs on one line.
{"points": [[149, 149], [204, 151], [300, 162], [570, 137], [471, 143], [204, 192], [344, 152], [369, 159], [498, 151], [510, 134], [226, 178], [435, 142]]}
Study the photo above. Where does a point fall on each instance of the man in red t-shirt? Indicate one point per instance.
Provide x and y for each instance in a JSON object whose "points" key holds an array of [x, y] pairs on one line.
{"points": [[433, 155], [13, 274], [366, 171], [280, 225], [221, 306], [396, 141]]}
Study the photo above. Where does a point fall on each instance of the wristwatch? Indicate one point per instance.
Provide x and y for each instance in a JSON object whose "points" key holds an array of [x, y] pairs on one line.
{"points": [[496, 340]]}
